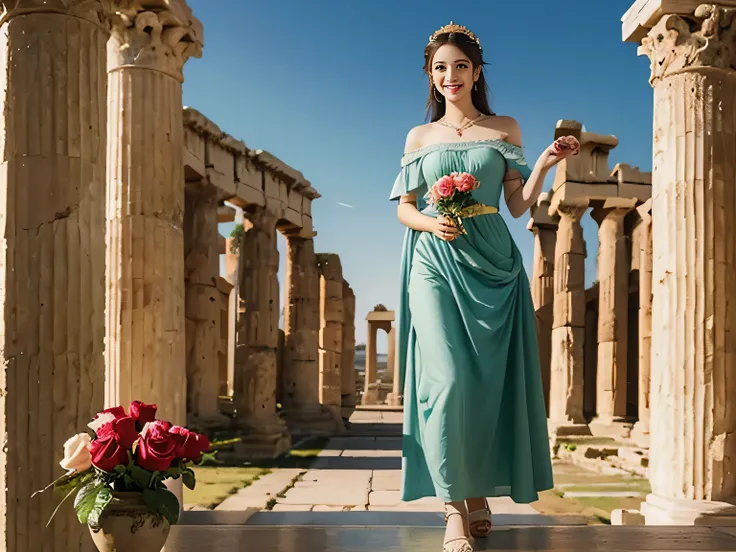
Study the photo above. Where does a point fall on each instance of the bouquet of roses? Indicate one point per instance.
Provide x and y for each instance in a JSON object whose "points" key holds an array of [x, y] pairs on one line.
{"points": [[451, 194], [130, 452]]}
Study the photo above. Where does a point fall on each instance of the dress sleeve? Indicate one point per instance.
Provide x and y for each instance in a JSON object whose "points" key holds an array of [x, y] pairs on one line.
{"points": [[515, 160], [409, 180]]}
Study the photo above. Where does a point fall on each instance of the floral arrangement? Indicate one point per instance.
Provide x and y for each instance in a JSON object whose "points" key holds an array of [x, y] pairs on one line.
{"points": [[451, 194], [130, 452]]}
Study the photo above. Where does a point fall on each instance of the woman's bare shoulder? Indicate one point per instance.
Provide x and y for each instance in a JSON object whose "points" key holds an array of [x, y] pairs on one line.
{"points": [[415, 137], [509, 127]]}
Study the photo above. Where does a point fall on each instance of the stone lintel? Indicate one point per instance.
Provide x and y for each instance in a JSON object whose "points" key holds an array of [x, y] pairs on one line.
{"points": [[645, 14], [560, 202], [625, 173], [381, 316], [575, 191], [195, 120], [225, 214], [274, 164], [621, 203]]}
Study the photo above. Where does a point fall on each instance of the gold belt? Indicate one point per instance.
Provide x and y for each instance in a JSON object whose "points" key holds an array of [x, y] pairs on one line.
{"points": [[478, 209]]}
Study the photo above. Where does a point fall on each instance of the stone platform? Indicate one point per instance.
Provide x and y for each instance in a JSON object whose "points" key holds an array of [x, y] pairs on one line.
{"points": [[429, 539]]}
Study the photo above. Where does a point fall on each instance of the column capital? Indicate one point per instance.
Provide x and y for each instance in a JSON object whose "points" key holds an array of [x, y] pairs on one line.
{"points": [[645, 211], [680, 43], [614, 207], [571, 209], [540, 214], [158, 34], [94, 11]]}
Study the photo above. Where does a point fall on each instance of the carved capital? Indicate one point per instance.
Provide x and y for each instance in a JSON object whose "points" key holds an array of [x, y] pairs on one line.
{"points": [[158, 34], [569, 210], [682, 43], [95, 11]]}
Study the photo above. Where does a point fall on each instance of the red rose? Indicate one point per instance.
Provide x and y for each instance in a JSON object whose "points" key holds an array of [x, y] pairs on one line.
{"points": [[157, 447], [190, 445], [114, 440], [142, 413]]}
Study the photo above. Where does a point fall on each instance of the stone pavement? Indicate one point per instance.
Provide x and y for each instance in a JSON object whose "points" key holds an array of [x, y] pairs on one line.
{"points": [[429, 539]]}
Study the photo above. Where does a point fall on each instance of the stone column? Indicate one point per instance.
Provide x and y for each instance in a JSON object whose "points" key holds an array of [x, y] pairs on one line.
{"points": [[52, 243], [370, 389], [203, 306], [145, 334], [395, 397], [264, 433], [347, 357], [330, 332], [232, 262], [613, 311], [693, 420], [303, 411], [568, 329], [641, 428], [544, 228]]}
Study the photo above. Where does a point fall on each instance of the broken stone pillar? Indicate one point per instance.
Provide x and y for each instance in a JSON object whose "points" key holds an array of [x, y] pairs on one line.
{"points": [[613, 310], [264, 433], [145, 334], [203, 306], [52, 257], [640, 433], [692, 465], [225, 289], [330, 333], [544, 228], [568, 328], [303, 410], [347, 357]]}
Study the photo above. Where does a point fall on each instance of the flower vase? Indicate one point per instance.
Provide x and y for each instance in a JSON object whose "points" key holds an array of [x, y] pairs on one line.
{"points": [[128, 525]]}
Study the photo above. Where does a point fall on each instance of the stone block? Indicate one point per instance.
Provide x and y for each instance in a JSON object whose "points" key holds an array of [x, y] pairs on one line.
{"points": [[331, 311], [220, 167], [331, 289], [330, 337], [569, 309], [627, 517], [295, 201], [194, 151], [247, 174], [271, 186], [307, 206], [569, 272], [330, 266], [248, 195]]}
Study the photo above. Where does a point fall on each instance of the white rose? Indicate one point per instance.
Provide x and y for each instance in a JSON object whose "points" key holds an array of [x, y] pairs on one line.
{"points": [[76, 453], [101, 420]]}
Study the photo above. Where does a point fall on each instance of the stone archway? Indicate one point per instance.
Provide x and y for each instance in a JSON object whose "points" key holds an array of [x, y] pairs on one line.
{"points": [[380, 319]]}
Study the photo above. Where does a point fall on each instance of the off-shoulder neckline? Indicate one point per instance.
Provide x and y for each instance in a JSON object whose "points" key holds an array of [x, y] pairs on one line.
{"points": [[503, 144]]}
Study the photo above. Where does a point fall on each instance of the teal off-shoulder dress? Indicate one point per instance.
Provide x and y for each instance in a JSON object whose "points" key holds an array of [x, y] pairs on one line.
{"points": [[474, 415]]}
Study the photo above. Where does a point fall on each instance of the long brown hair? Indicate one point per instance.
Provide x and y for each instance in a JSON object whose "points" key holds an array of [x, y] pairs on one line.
{"points": [[436, 109]]}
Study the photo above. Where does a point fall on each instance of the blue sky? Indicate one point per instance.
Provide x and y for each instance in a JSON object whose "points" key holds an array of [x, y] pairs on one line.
{"points": [[331, 87]]}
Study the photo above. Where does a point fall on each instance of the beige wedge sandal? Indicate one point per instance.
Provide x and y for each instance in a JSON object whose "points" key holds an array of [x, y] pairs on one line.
{"points": [[480, 522], [459, 544]]}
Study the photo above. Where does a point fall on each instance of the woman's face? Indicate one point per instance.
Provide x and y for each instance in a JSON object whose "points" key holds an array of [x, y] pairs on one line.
{"points": [[452, 73]]}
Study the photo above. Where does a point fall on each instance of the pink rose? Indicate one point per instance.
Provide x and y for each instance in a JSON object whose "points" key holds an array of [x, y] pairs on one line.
{"points": [[465, 182], [445, 186]]}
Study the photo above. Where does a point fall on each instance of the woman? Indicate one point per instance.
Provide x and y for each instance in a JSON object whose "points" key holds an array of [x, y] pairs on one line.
{"points": [[474, 415]]}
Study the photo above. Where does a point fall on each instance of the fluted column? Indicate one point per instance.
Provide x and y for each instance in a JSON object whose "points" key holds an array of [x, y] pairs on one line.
{"points": [[395, 396], [347, 357], [568, 329], [303, 411], [641, 428], [613, 310], [693, 420], [203, 305], [264, 432], [330, 332], [370, 384], [232, 263], [145, 352], [52, 243]]}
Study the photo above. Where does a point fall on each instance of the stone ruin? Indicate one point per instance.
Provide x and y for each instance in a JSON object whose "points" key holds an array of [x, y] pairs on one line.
{"points": [[110, 290]]}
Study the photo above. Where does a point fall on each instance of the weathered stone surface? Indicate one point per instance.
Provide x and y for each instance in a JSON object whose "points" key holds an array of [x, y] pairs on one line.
{"points": [[145, 305], [641, 429], [52, 257], [568, 333], [613, 310], [330, 332], [347, 356], [693, 429]]}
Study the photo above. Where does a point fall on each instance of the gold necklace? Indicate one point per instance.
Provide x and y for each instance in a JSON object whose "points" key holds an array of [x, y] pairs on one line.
{"points": [[459, 130]]}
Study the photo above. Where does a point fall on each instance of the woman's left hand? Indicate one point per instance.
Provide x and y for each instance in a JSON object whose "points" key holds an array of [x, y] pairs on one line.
{"points": [[563, 147]]}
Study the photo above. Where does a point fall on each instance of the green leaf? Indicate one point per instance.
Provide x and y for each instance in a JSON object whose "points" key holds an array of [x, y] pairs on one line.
{"points": [[85, 500], [164, 502], [104, 496], [188, 479], [141, 477], [120, 469]]}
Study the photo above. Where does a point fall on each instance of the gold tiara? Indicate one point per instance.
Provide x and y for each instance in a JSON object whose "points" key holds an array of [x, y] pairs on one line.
{"points": [[453, 28]]}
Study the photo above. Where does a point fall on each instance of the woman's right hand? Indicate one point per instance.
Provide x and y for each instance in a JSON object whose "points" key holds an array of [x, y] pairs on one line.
{"points": [[444, 229]]}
